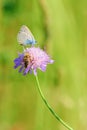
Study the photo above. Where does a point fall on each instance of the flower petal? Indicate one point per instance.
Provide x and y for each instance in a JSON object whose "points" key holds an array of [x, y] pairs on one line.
{"points": [[43, 67], [35, 72], [21, 68], [27, 69]]}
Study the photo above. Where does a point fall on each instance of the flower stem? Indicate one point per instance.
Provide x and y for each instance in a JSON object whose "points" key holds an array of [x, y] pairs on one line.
{"points": [[49, 107]]}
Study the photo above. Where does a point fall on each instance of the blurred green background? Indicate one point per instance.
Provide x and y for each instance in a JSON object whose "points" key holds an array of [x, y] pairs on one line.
{"points": [[59, 26]]}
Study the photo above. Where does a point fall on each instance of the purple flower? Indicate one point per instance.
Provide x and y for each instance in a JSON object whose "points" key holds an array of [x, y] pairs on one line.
{"points": [[31, 59]]}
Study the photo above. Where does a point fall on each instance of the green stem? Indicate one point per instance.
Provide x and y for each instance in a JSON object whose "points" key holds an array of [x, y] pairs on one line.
{"points": [[49, 107]]}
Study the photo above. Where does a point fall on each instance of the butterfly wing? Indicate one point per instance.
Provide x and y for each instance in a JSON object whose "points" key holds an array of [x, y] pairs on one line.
{"points": [[25, 36]]}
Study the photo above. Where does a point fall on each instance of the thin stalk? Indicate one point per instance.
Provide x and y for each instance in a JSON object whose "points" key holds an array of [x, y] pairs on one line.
{"points": [[49, 107]]}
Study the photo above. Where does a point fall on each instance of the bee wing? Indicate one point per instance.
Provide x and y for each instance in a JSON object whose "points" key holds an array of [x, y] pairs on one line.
{"points": [[24, 35]]}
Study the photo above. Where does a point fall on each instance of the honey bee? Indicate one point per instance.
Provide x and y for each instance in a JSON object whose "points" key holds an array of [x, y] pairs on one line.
{"points": [[26, 59]]}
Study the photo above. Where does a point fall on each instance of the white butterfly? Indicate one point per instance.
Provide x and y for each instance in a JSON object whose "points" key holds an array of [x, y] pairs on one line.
{"points": [[25, 37]]}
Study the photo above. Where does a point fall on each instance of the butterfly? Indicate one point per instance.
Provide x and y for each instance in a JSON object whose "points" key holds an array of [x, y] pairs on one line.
{"points": [[25, 37]]}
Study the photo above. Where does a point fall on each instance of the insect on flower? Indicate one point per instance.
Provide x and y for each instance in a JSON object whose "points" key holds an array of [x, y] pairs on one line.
{"points": [[26, 59], [25, 37], [32, 59]]}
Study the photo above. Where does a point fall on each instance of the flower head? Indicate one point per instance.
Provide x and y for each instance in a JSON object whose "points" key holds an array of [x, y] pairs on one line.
{"points": [[32, 59]]}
